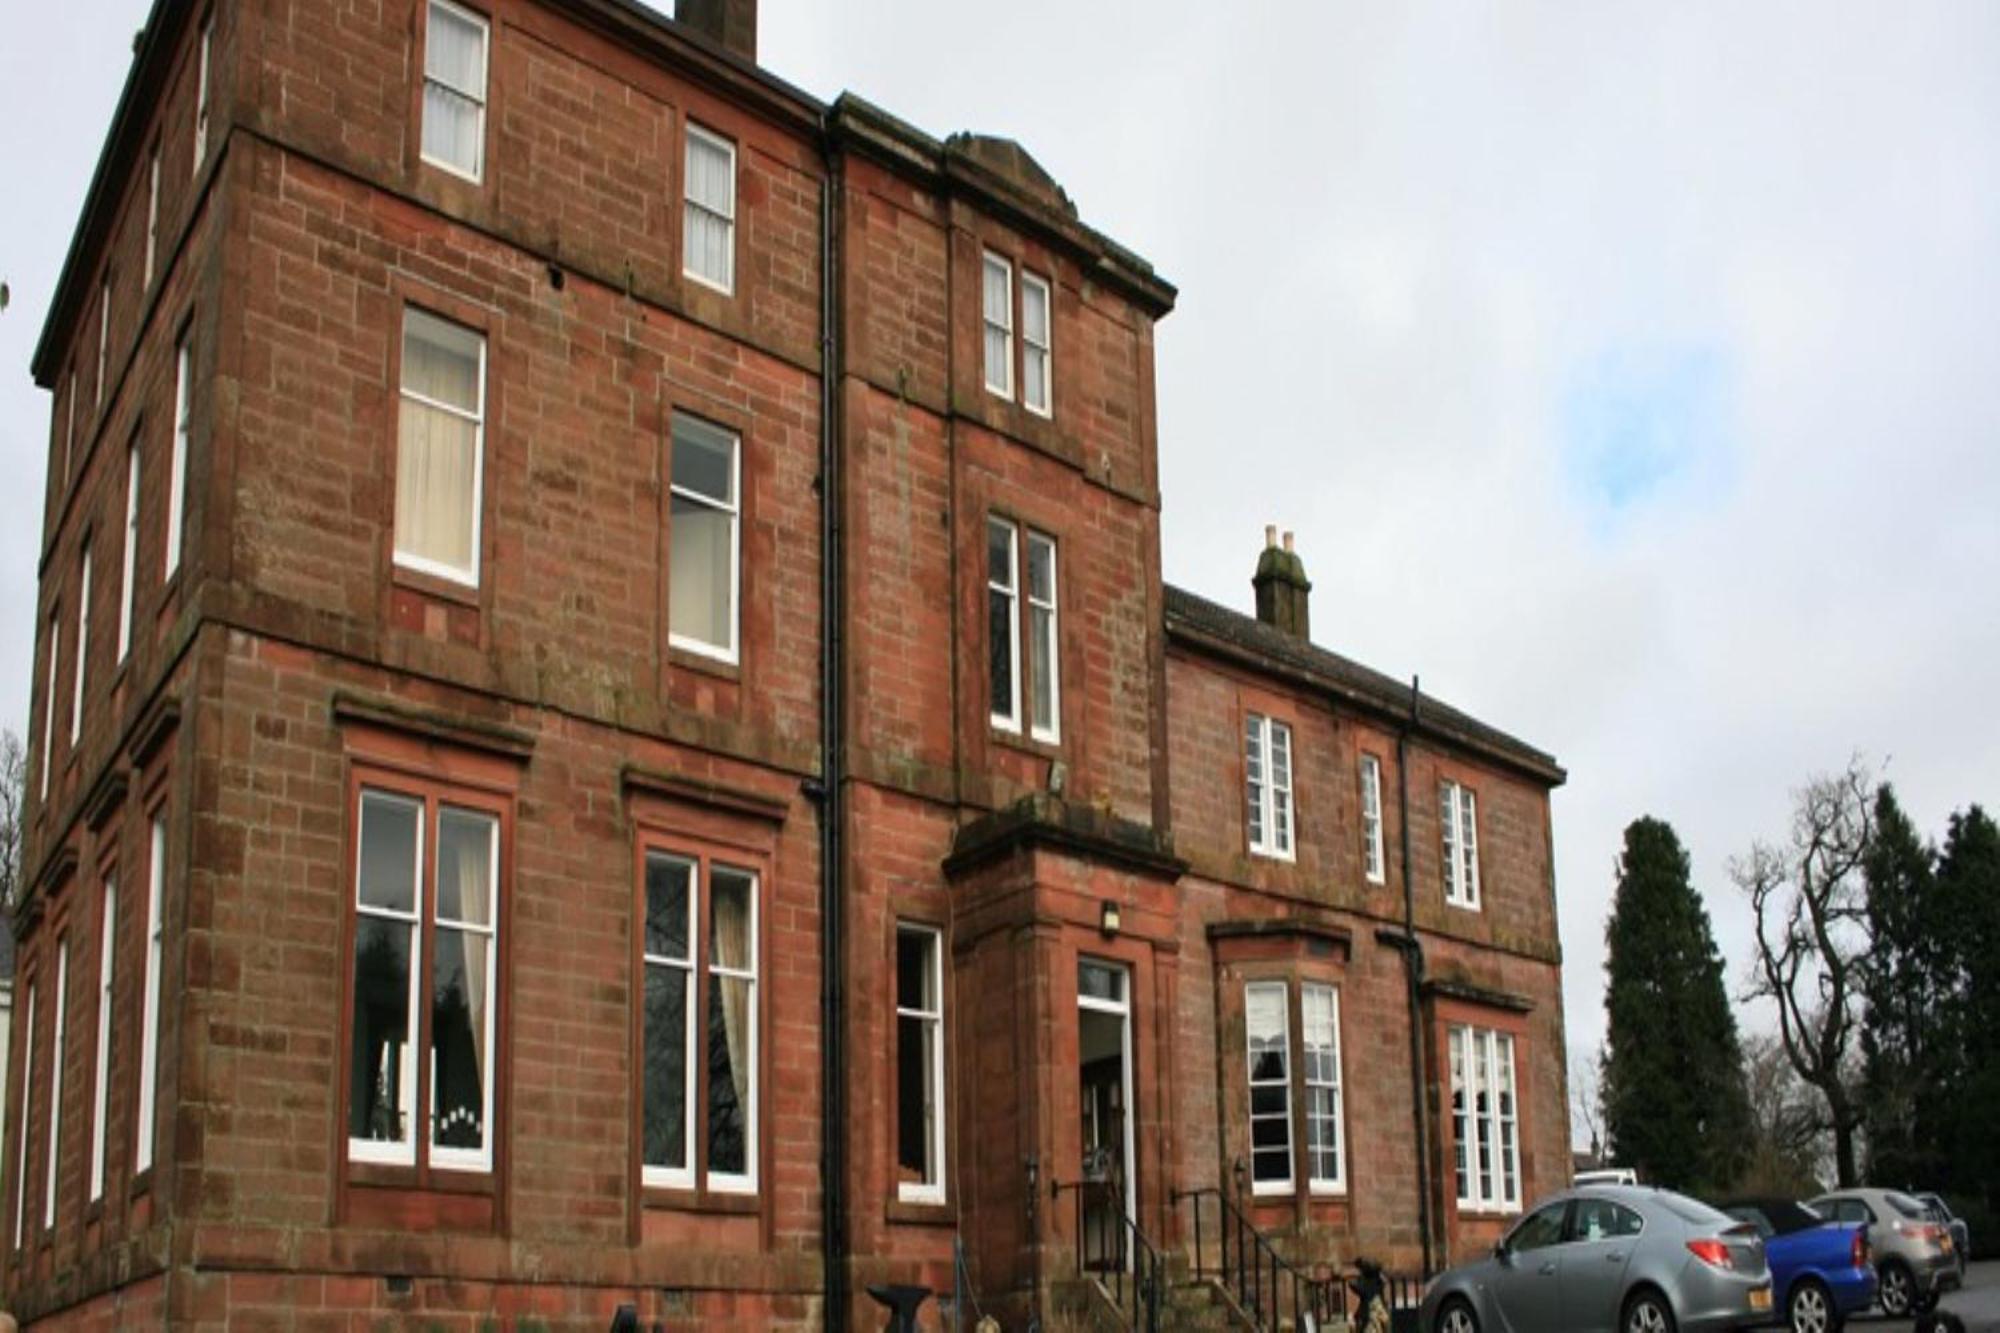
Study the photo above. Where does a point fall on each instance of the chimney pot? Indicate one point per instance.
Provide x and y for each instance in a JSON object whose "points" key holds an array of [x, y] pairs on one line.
{"points": [[1282, 586]]}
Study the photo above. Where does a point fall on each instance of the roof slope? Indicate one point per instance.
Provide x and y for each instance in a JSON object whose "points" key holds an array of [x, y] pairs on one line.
{"points": [[1205, 624]]}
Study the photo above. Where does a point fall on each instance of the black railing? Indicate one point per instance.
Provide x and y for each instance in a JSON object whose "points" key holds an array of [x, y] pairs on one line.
{"points": [[1265, 1285], [1274, 1292], [1111, 1248]]}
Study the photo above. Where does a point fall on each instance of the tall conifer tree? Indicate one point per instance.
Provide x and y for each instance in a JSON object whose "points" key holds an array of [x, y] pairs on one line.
{"points": [[1675, 1105], [1907, 1049]]}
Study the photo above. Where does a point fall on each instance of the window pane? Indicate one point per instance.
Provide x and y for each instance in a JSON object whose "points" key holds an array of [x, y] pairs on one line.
{"points": [[460, 994], [455, 51], [465, 867], [453, 127], [704, 461], [665, 1092], [916, 986], [732, 928], [436, 464], [1000, 653], [379, 1078], [388, 852], [711, 176], [1035, 378], [916, 1110], [701, 573], [997, 299], [729, 1074], [441, 361], [1000, 554], [1100, 982], [668, 880], [1041, 569], [1035, 312], [1043, 627]]}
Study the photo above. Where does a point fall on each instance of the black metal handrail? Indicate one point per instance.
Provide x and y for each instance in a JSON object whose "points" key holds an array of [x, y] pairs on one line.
{"points": [[1267, 1286], [1122, 1260]]}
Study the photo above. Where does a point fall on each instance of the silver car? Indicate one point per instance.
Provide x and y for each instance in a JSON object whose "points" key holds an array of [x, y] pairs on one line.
{"points": [[1914, 1255], [1609, 1259]]}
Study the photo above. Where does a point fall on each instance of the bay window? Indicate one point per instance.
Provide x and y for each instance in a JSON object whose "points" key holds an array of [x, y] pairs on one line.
{"points": [[426, 945], [1485, 1120], [1007, 622], [1325, 1161], [1267, 1047]]}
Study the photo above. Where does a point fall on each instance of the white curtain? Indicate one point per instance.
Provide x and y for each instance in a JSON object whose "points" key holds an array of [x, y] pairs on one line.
{"points": [[437, 456], [1035, 334], [999, 324], [711, 210], [732, 946]]}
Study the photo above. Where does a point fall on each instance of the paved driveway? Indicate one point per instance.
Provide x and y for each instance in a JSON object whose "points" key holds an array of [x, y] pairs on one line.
{"points": [[1977, 1303]]}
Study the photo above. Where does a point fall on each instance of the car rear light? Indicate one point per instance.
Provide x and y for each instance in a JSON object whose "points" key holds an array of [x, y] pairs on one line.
{"points": [[1712, 1252], [1929, 1233], [1860, 1248]]}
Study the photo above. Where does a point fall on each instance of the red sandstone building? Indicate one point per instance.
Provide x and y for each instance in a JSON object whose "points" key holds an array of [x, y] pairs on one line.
{"points": [[607, 731]]}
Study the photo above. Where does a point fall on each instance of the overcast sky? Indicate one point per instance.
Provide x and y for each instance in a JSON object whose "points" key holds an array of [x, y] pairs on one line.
{"points": [[1630, 371]]}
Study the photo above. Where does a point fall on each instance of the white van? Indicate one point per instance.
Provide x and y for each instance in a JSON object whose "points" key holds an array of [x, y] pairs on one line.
{"points": [[1610, 1175]]}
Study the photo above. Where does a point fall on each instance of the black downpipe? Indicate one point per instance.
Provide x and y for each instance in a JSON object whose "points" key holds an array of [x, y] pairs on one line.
{"points": [[1413, 969], [833, 790]]}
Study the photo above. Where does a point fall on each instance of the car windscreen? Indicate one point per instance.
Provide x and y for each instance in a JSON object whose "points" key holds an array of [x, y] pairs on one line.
{"points": [[1693, 1211], [1907, 1206]]}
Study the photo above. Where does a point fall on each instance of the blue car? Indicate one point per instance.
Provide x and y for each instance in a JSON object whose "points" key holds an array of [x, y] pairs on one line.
{"points": [[1821, 1271]]}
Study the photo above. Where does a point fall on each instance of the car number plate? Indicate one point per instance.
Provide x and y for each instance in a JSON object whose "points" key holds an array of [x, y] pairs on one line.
{"points": [[1760, 1299]]}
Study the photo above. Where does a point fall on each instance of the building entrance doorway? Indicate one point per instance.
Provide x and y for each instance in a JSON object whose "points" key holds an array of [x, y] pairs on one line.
{"points": [[1104, 1086]]}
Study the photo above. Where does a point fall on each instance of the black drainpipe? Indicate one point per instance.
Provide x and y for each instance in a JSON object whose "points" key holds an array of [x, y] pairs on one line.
{"points": [[832, 781], [1413, 968]]}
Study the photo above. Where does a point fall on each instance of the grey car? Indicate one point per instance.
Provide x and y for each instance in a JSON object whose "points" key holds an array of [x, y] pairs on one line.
{"points": [[1609, 1259], [1914, 1254], [1961, 1234]]}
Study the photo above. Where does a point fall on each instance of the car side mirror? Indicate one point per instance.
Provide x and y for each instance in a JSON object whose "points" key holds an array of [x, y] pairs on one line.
{"points": [[1503, 1254]]}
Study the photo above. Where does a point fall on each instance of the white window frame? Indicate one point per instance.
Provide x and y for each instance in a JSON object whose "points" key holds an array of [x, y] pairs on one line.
{"points": [[201, 95], [103, 335], [1374, 864], [177, 466], [21, 1122], [682, 1176], [467, 576], [128, 573], [1043, 349], [731, 651], [82, 648], [476, 97], [152, 214], [744, 1182], [1458, 813], [400, 1151], [1283, 1082], [931, 1023], [1004, 387], [100, 1100], [1483, 1061], [149, 1020], [49, 697], [1010, 591], [1269, 792], [58, 1043], [1309, 993], [689, 204], [1043, 622], [441, 1156]]}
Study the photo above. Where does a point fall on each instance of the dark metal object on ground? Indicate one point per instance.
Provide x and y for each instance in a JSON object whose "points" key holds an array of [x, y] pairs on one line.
{"points": [[902, 1302]]}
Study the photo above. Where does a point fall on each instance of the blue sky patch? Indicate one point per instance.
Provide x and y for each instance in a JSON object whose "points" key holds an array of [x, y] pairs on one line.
{"points": [[1640, 424]]}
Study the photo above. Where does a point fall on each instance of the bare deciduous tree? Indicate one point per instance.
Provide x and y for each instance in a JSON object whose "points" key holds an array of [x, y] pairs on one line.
{"points": [[1586, 1102], [13, 799], [1788, 1127], [1809, 902]]}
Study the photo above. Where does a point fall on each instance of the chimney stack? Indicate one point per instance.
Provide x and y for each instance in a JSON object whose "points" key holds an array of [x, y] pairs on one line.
{"points": [[1282, 586], [730, 24]]}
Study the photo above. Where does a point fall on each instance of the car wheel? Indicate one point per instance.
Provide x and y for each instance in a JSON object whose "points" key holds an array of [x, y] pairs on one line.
{"points": [[1457, 1317], [1811, 1309], [1897, 1288], [1647, 1312]]}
